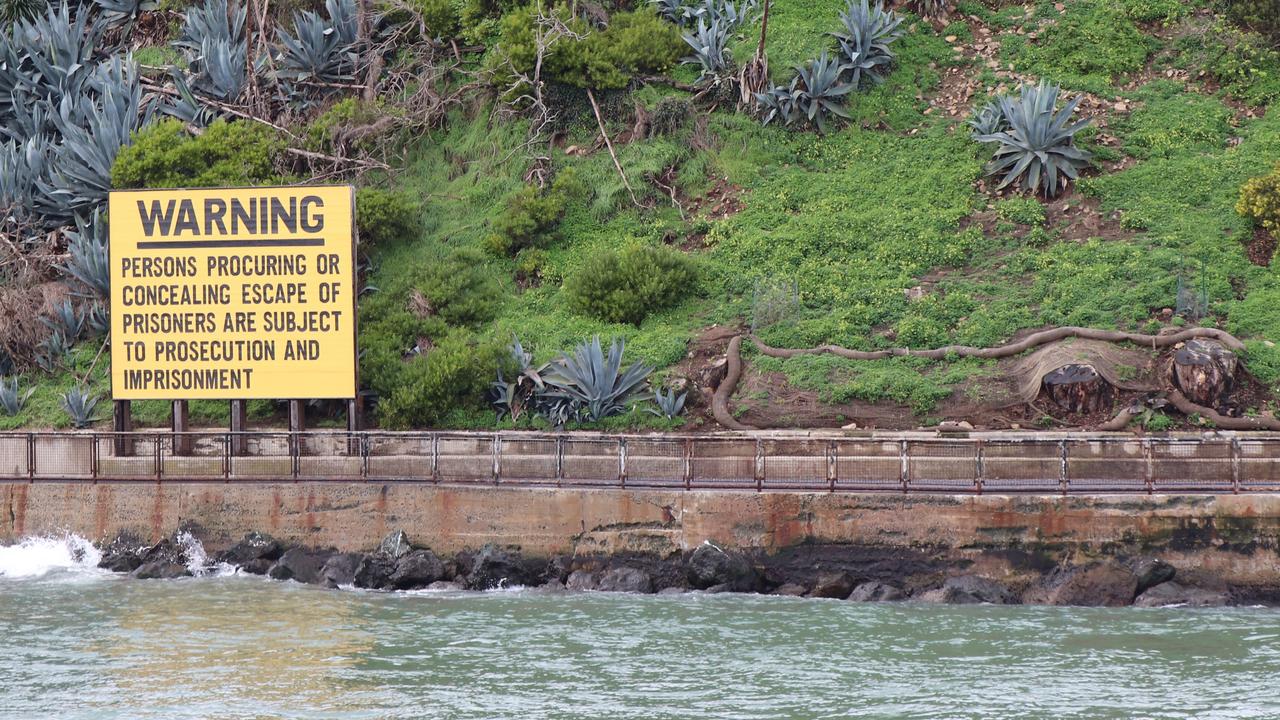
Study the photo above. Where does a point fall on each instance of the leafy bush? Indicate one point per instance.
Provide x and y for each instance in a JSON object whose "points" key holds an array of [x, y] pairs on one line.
{"points": [[459, 289], [1260, 201], [1261, 16], [1148, 11], [384, 216], [624, 286], [454, 373], [635, 43], [1039, 144], [440, 17], [227, 153], [1242, 62], [531, 214]]}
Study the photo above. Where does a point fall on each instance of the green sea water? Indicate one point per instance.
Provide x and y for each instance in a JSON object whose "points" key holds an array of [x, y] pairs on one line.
{"points": [[76, 642]]}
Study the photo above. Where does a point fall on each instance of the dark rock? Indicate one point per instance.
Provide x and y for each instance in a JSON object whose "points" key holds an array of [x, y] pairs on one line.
{"points": [[550, 587], [257, 567], [710, 566], [1172, 593], [304, 565], [969, 590], [496, 567], [446, 585], [416, 569], [876, 591], [1151, 572], [717, 589], [791, 590], [161, 569], [253, 546], [374, 571], [580, 580], [396, 545], [560, 568], [673, 590], [340, 569], [627, 579], [1095, 585], [832, 585], [123, 554]]}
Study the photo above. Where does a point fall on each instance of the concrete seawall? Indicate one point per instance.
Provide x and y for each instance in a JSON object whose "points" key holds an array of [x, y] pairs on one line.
{"points": [[1224, 537]]}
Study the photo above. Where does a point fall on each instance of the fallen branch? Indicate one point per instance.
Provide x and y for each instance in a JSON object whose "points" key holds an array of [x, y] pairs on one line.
{"points": [[609, 144], [1119, 422], [1186, 407]]}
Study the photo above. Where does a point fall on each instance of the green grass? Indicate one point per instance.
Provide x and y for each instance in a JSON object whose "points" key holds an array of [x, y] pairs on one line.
{"points": [[1090, 46]]}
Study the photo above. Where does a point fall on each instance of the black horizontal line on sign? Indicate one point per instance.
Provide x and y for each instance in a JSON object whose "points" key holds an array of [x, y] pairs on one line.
{"points": [[190, 244]]}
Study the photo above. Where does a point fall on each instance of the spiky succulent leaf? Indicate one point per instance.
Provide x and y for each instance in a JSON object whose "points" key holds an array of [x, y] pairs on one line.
{"points": [[1038, 148], [710, 44], [988, 120], [123, 12], [88, 260], [79, 405], [11, 396], [668, 404], [593, 383], [821, 91], [864, 42], [779, 103]]}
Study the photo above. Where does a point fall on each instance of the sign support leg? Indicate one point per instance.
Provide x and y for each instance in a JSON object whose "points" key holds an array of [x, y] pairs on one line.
{"points": [[355, 421], [181, 426], [239, 423], [122, 423]]}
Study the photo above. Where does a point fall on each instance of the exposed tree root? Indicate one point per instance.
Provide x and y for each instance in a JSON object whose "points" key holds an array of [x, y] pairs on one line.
{"points": [[720, 400]]}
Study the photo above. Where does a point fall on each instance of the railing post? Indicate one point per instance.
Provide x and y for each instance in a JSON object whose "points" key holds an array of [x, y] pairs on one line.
{"points": [[1149, 468], [364, 456], [158, 461], [122, 423], [228, 439], [497, 458], [181, 428], [239, 410], [688, 463], [559, 460], [435, 458], [93, 457], [622, 462], [903, 469], [1062, 468], [758, 470], [832, 469], [31, 457], [1235, 466], [979, 470]]}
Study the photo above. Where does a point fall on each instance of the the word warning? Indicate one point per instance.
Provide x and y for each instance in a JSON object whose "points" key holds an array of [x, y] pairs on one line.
{"points": [[233, 293]]}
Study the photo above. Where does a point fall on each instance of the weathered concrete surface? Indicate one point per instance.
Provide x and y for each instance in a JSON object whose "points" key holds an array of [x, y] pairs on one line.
{"points": [[1229, 537]]}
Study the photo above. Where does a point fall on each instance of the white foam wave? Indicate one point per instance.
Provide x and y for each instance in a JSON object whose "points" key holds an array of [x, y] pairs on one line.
{"points": [[35, 557], [198, 560]]}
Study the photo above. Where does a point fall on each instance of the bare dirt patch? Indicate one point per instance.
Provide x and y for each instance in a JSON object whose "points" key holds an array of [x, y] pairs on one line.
{"points": [[1262, 248]]}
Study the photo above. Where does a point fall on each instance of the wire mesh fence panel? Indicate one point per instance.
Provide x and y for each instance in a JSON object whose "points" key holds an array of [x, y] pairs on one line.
{"points": [[398, 457], [528, 460], [591, 462], [795, 464], [1106, 466], [868, 465], [339, 465], [1021, 466], [941, 466], [13, 456], [268, 456], [465, 459], [1259, 465], [723, 462], [206, 459], [138, 462], [1179, 466], [656, 462], [64, 456]]}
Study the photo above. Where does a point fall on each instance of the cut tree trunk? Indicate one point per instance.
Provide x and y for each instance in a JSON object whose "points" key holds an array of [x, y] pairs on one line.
{"points": [[1078, 388], [1205, 371]]}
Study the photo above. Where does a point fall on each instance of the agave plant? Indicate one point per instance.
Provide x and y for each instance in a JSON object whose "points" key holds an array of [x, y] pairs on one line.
{"points": [[98, 319], [710, 44], [53, 352], [988, 120], [87, 256], [1039, 144], [516, 396], [726, 12], [11, 397], [124, 12], [821, 90], [79, 404], [314, 52], [780, 103], [65, 321], [671, 10], [12, 11], [593, 383], [668, 404], [216, 50], [864, 42]]}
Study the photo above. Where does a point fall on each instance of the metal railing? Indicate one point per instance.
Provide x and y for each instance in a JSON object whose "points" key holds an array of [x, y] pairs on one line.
{"points": [[892, 463]]}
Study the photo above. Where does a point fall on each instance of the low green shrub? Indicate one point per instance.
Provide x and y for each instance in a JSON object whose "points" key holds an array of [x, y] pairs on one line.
{"points": [[1021, 210], [1090, 45], [456, 372], [624, 286], [459, 289], [1150, 11], [384, 216], [1261, 16], [1243, 63], [636, 42], [164, 154], [1172, 120], [532, 214], [1260, 201], [440, 16]]}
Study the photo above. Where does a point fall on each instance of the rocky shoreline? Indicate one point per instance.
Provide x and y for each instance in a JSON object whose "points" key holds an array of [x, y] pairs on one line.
{"points": [[856, 573]]}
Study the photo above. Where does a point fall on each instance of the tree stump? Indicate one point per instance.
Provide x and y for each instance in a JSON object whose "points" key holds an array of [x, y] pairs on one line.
{"points": [[1205, 371], [1078, 388]]}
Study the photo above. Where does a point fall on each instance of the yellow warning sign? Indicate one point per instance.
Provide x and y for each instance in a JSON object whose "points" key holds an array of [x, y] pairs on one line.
{"points": [[233, 293]]}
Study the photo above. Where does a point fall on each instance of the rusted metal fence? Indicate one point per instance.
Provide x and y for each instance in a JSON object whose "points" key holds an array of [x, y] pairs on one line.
{"points": [[995, 464]]}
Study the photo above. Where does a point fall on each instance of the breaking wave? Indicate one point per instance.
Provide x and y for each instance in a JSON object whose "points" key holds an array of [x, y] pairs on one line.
{"points": [[35, 557]]}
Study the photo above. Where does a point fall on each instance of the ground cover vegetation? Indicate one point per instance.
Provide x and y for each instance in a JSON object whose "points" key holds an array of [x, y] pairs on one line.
{"points": [[539, 180]]}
